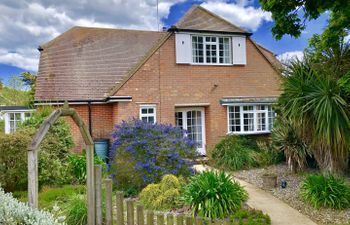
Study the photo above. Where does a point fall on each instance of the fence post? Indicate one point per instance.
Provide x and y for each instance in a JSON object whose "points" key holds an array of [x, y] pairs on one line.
{"points": [[160, 219], [109, 204], [130, 212], [198, 221], [189, 220], [98, 199], [150, 218], [140, 215], [179, 219], [170, 219], [120, 208]]}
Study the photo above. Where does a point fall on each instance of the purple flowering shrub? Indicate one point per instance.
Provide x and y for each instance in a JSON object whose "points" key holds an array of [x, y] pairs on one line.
{"points": [[141, 153]]}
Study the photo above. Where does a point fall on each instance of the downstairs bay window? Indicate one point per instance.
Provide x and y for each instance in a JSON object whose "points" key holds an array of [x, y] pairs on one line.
{"points": [[250, 119]]}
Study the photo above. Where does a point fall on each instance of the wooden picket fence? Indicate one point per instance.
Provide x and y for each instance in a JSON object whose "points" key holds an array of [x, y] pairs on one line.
{"points": [[134, 214]]}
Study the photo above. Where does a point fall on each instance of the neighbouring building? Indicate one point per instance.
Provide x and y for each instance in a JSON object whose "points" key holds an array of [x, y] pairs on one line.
{"points": [[13, 116], [204, 74]]}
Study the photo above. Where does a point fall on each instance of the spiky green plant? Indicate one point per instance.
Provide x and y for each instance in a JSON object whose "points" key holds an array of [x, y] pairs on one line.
{"points": [[214, 195], [325, 191], [317, 105]]}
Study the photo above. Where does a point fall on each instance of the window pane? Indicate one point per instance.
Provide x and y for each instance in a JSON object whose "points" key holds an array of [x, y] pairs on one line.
{"points": [[144, 110], [234, 119], [151, 119], [144, 119], [150, 110], [248, 121]]}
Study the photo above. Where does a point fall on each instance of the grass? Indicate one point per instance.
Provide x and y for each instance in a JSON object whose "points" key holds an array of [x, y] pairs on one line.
{"points": [[48, 196]]}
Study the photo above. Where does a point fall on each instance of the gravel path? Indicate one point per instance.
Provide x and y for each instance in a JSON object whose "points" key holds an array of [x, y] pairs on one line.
{"points": [[290, 194]]}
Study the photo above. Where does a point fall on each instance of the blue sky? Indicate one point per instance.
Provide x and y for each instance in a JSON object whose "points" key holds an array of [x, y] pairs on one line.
{"points": [[25, 24]]}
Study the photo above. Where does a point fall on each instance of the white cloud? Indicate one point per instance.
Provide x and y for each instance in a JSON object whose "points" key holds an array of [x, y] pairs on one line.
{"points": [[25, 24], [287, 56], [240, 13]]}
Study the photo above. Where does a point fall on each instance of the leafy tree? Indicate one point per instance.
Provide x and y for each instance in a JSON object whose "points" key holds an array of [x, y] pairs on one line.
{"points": [[290, 18], [29, 80]]}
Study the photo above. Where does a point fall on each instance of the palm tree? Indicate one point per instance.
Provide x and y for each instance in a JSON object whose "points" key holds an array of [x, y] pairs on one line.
{"points": [[316, 102]]}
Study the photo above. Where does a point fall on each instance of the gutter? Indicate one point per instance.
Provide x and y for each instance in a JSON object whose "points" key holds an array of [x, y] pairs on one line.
{"points": [[110, 99]]}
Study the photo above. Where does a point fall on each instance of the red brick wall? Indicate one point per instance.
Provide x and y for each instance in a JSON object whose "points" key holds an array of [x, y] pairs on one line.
{"points": [[102, 122], [162, 82]]}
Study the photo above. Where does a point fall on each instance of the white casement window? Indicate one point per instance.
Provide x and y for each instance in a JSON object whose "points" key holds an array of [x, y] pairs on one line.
{"points": [[211, 49], [148, 113], [250, 119], [13, 120]]}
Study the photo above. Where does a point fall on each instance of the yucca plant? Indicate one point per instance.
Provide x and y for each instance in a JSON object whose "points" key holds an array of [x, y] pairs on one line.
{"points": [[285, 138], [317, 105], [214, 195], [325, 191]]}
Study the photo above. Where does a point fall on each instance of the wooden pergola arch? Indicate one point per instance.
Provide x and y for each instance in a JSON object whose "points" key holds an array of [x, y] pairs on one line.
{"points": [[33, 149]]}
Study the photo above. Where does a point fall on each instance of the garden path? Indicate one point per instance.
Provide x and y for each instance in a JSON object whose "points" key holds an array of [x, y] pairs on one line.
{"points": [[279, 212]]}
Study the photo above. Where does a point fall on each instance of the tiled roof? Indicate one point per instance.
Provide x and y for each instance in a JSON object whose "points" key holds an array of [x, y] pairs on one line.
{"points": [[85, 63], [198, 18]]}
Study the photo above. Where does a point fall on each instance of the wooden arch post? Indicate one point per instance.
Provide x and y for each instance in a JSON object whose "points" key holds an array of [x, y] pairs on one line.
{"points": [[33, 149]]}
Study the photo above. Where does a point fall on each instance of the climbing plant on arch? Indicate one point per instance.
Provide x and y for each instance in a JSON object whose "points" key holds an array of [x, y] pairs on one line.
{"points": [[33, 149]]}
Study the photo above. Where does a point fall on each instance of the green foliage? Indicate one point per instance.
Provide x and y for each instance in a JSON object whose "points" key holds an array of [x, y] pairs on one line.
{"points": [[12, 96], [48, 196], [52, 155], [162, 196], [289, 20], [29, 80], [13, 160], [77, 166], [325, 191], [317, 104], [240, 152], [286, 139], [2, 126], [214, 195], [234, 152], [75, 210], [250, 217]]}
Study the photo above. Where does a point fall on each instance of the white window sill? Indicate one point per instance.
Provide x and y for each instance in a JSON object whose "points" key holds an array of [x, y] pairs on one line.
{"points": [[248, 133], [212, 64]]}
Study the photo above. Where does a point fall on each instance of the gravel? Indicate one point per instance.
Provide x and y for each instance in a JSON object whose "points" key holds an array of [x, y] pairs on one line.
{"points": [[290, 194]]}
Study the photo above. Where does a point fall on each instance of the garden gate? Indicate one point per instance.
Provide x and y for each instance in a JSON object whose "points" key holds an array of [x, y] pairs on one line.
{"points": [[33, 149]]}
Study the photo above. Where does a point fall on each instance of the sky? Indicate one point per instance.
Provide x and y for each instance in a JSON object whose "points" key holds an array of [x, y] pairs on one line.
{"points": [[25, 24]]}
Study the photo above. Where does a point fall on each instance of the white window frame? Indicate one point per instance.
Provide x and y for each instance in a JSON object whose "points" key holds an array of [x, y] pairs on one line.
{"points": [[8, 120], [255, 112], [154, 114], [217, 50]]}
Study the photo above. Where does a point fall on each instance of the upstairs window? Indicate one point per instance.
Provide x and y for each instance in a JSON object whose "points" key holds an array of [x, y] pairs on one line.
{"points": [[211, 49], [249, 119], [148, 113]]}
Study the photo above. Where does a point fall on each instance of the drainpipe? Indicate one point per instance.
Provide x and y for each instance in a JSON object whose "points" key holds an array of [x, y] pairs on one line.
{"points": [[90, 118]]}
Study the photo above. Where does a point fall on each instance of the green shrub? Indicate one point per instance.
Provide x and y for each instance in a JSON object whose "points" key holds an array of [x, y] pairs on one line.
{"points": [[51, 195], [250, 217], [77, 166], [266, 155], [75, 210], [214, 195], [52, 155], [325, 191], [233, 153], [2, 126], [13, 161], [13, 212], [162, 196]]}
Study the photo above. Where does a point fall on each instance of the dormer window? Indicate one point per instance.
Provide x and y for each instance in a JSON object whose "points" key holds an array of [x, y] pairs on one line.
{"points": [[211, 49]]}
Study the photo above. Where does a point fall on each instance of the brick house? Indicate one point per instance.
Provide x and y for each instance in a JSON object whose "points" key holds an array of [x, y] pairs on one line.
{"points": [[203, 74]]}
